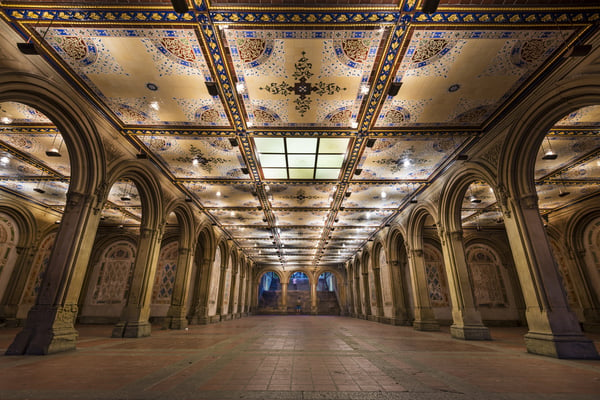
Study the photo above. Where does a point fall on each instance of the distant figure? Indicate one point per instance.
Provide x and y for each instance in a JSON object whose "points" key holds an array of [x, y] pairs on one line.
{"points": [[299, 306], [294, 282]]}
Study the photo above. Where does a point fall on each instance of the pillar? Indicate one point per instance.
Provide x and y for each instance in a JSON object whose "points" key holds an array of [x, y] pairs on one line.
{"points": [[351, 295], [466, 319], [313, 297], [134, 321], [16, 285], [49, 327], [378, 293], [284, 303], [399, 312], [176, 315], [201, 293], [589, 302], [366, 295], [424, 317], [553, 328], [221, 311]]}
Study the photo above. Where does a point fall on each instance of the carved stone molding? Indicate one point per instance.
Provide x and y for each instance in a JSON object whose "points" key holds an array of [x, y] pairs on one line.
{"points": [[493, 154]]}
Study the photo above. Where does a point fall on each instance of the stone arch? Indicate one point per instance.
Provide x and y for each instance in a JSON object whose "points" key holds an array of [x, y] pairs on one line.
{"points": [[148, 188], [26, 223], [518, 156], [86, 152], [381, 276], [185, 219], [400, 275], [454, 192]]}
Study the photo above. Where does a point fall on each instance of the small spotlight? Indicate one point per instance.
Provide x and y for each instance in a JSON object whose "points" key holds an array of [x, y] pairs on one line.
{"points": [[348, 194], [245, 171], [371, 142], [413, 201], [53, 152], [581, 50], [233, 142], [6, 120], [141, 156], [39, 190], [475, 200], [212, 88], [357, 171], [188, 199], [180, 6], [354, 124], [563, 194], [394, 88], [57, 222], [462, 157], [430, 6], [125, 198], [27, 48], [550, 155]]}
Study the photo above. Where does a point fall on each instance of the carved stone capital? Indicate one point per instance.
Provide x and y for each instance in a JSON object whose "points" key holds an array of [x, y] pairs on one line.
{"points": [[529, 201], [417, 252], [76, 199], [456, 235]]}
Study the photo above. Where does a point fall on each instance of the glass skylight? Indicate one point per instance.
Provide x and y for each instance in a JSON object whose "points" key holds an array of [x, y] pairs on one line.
{"points": [[301, 158]]}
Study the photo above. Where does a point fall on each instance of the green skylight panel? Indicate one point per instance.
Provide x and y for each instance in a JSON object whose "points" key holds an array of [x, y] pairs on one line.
{"points": [[272, 160], [301, 157], [270, 145], [304, 173], [275, 173], [333, 145], [301, 160], [330, 160], [302, 145]]}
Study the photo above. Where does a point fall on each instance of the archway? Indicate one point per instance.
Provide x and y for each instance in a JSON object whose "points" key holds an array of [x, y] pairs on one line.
{"points": [[269, 293], [328, 296], [298, 293]]}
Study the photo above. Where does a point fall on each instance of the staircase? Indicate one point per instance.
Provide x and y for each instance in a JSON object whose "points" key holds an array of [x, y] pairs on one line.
{"points": [[327, 303], [268, 303]]}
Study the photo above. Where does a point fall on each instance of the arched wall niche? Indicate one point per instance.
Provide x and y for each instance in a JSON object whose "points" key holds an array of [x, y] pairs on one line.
{"points": [[83, 142]]}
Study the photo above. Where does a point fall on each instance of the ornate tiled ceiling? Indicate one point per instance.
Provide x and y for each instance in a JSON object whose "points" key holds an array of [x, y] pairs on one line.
{"points": [[299, 73]]}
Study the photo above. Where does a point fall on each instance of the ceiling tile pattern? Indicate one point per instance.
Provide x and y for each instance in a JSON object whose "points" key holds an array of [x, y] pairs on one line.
{"points": [[304, 73]]}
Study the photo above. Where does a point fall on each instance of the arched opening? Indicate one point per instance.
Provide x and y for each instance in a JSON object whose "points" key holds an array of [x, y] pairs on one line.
{"points": [[269, 293], [328, 296], [298, 293]]}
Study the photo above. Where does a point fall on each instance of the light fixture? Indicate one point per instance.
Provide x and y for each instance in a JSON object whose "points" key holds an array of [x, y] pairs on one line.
{"points": [[370, 142], [27, 48], [212, 88], [53, 151], [474, 199], [357, 171], [580, 50], [364, 89], [218, 194], [383, 194], [195, 161], [154, 105], [353, 124], [233, 142], [180, 6], [39, 190], [6, 120], [245, 171], [406, 162], [125, 197], [462, 157], [188, 199], [549, 155], [239, 86], [394, 88], [4, 160], [430, 6]]}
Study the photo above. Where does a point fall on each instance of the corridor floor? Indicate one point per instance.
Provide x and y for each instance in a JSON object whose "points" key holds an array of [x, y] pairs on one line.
{"points": [[295, 357]]}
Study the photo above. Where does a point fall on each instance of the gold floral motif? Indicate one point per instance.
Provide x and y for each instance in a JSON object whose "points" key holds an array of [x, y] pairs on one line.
{"points": [[250, 49], [356, 49], [180, 48], [428, 49], [74, 47]]}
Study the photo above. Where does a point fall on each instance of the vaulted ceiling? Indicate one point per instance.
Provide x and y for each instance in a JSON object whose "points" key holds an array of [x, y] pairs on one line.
{"points": [[280, 123]]}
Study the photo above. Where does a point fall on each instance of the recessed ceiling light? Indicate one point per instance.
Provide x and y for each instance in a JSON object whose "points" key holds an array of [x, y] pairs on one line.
{"points": [[354, 124], [154, 105], [4, 160], [151, 86], [383, 195], [218, 194], [6, 120]]}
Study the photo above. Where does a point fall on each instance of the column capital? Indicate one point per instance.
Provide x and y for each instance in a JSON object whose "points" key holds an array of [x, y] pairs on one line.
{"points": [[455, 235]]}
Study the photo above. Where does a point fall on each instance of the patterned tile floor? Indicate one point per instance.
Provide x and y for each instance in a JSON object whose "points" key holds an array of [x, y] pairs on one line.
{"points": [[296, 357]]}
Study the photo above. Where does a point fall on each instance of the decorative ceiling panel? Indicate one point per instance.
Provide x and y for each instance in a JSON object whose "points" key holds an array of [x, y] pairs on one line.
{"points": [[312, 218], [305, 195], [200, 157], [566, 150], [460, 77], [406, 158], [11, 112], [586, 116], [145, 76], [37, 145], [379, 196], [239, 218], [370, 218], [223, 195], [552, 196], [302, 78], [53, 193]]}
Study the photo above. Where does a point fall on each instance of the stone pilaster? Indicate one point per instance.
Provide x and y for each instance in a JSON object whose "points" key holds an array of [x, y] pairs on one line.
{"points": [[176, 315], [134, 320], [467, 323], [49, 327], [201, 293], [553, 328], [424, 317]]}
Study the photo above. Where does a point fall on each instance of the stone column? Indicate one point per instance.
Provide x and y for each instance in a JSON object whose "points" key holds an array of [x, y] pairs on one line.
{"points": [[49, 327], [284, 292], [424, 317], [553, 328], [314, 309], [351, 296], [176, 315], [243, 283], [232, 309], [201, 293], [221, 313], [587, 298], [134, 321], [16, 285], [366, 309], [466, 318], [378, 293], [357, 297], [399, 312]]}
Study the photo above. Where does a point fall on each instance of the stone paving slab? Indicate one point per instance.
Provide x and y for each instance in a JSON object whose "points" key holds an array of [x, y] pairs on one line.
{"points": [[295, 357]]}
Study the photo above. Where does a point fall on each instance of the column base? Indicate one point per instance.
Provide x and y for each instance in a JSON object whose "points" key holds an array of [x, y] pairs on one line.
{"points": [[132, 329], [48, 330], [471, 332], [572, 346], [175, 323], [430, 326]]}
